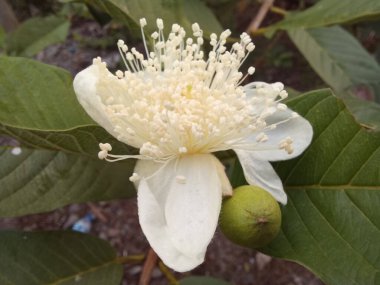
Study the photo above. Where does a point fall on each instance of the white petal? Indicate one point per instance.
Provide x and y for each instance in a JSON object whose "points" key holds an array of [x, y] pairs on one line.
{"points": [[179, 219], [250, 89], [262, 174], [85, 87], [226, 185], [154, 226], [299, 129]]}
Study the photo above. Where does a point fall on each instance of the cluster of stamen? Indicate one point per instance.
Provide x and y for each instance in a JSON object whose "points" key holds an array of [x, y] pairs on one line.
{"points": [[287, 145], [173, 102]]}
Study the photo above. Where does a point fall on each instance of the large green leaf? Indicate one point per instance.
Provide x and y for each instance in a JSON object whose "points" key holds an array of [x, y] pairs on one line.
{"points": [[40, 180], [37, 96], [331, 223], [183, 12], [81, 140], [43, 111], [341, 61], [331, 12], [195, 11], [338, 58], [35, 34], [57, 258]]}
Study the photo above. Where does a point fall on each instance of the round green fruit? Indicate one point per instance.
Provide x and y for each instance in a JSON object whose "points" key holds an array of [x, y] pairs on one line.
{"points": [[251, 217]]}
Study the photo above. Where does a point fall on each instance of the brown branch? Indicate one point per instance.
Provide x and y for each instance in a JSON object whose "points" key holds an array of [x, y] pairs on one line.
{"points": [[278, 10], [256, 22], [150, 263], [130, 259], [7, 17], [98, 212], [168, 274]]}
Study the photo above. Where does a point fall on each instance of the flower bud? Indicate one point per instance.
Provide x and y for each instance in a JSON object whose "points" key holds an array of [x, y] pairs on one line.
{"points": [[251, 217]]}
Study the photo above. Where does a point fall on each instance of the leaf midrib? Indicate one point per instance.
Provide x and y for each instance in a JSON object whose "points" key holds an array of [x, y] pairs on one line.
{"points": [[87, 271], [337, 187], [7, 125]]}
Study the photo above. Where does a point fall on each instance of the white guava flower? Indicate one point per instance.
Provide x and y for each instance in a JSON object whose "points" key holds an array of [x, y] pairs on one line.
{"points": [[177, 108]]}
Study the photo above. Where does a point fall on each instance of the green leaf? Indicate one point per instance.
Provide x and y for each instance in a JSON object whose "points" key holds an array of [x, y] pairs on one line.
{"points": [[341, 61], [331, 12], [366, 112], [195, 11], [338, 58], [39, 180], [38, 96], [202, 280], [81, 140], [331, 223], [183, 12], [57, 258], [35, 34], [43, 111]]}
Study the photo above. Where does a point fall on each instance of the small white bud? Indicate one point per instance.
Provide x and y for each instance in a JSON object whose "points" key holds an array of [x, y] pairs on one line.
{"points": [[181, 179], [154, 36], [250, 47], [160, 24], [225, 34], [119, 74], [142, 22], [175, 28], [251, 70], [102, 154], [182, 149], [97, 60], [195, 27], [279, 86], [135, 177], [105, 146]]}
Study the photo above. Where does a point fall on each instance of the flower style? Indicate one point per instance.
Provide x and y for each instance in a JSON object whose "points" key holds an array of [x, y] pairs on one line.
{"points": [[177, 108]]}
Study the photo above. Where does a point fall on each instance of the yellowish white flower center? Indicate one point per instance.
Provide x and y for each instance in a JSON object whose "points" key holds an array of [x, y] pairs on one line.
{"points": [[174, 102]]}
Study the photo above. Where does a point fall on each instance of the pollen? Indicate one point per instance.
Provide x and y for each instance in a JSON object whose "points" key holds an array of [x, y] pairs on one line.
{"points": [[181, 179], [172, 100], [135, 177]]}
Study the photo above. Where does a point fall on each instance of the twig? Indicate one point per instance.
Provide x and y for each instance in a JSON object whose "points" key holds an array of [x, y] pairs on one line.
{"points": [[278, 10], [150, 263], [256, 22], [7, 17], [98, 212], [130, 259], [259, 32], [168, 274]]}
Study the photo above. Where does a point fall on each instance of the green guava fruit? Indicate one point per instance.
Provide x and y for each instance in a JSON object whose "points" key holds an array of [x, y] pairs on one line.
{"points": [[251, 217]]}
